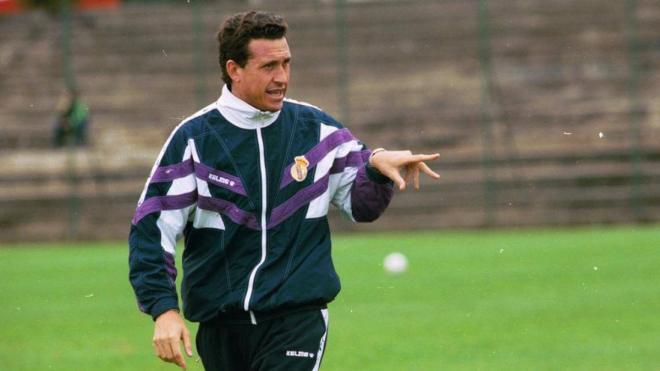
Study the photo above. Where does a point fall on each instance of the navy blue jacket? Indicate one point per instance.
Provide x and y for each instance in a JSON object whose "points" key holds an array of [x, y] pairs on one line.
{"points": [[252, 207]]}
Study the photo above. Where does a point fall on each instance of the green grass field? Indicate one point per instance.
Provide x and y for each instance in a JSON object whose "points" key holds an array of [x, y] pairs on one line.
{"points": [[583, 299]]}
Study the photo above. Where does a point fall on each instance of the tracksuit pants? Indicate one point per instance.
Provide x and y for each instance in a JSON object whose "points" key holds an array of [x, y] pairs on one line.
{"points": [[289, 342]]}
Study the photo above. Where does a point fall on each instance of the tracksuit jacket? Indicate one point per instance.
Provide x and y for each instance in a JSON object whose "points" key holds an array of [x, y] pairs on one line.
{"points": [[249, 192]]}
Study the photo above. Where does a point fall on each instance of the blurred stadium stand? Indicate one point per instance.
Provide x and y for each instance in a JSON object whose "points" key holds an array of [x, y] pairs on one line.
{"points": [[544, 112]]}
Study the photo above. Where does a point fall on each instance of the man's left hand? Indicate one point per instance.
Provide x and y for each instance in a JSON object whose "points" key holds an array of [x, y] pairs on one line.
{"points": [[390, 164]]}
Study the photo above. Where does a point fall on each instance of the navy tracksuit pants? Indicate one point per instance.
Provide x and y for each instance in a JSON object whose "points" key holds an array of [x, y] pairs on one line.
{"points": [[288, 342]]}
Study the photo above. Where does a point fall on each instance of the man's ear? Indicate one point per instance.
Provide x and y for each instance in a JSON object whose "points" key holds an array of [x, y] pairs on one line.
{"points": [[234, 70]]}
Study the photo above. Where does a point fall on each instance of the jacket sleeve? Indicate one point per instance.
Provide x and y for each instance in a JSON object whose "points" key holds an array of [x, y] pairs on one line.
{"points": [[363, 193], [165, 206]]}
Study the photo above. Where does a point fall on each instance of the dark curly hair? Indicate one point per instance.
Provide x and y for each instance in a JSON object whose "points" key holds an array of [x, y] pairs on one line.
{"points": [[237, 31]]}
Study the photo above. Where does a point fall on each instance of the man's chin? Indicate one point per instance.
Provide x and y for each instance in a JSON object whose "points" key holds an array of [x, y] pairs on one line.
{"points": [[274, 106]]}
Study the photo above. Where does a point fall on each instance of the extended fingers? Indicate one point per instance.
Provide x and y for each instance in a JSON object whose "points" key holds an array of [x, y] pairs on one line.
{"points": [[177, 356], [186, 343], [410, 173], [423, 157], [393, 162], [427, 170], [163, 349], [167, 349], [396, 178], [416, 159]]}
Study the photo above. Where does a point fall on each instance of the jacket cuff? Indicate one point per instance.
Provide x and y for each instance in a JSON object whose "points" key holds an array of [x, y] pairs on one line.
{"points": [[376, 176], [163, 306]]}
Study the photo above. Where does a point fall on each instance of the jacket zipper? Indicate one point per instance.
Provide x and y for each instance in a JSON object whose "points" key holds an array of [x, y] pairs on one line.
{"points": [[264, 204]]}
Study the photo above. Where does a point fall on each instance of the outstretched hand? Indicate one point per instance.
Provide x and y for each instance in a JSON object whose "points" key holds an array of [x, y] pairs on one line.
{"points": [[390, 164], [169, 331]]}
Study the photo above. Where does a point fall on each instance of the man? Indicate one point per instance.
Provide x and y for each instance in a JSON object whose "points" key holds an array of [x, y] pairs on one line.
{"points": [[72, 120], [248, 181]]}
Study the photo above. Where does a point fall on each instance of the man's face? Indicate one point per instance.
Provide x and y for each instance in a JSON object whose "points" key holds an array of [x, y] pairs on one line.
{"points": [[263, 82]]}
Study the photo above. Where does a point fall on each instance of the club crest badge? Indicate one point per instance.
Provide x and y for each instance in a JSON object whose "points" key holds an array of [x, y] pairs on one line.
{"points": [[299, 168]]}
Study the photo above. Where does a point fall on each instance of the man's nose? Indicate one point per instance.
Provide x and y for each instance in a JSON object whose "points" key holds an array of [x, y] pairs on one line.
{"points": [[281, 75]]}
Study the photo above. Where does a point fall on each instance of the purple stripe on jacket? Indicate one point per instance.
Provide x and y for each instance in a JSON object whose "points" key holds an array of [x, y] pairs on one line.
{"points": [[170, 266], [368, 198], [352, 159], [170, 172], [229, 209], [319, 151], [159, 203], [300, 199], [220, 178]]}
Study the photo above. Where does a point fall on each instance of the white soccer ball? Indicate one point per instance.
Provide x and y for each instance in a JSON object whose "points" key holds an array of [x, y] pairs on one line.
{"points": [[395, 263]]}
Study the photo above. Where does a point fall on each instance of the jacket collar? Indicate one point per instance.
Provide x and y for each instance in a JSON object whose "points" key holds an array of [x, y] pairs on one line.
{"points": [[241, 114]]}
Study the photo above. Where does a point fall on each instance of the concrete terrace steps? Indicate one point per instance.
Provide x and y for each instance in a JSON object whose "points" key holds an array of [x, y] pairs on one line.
{"points": [[560, 77], [546, 195]]}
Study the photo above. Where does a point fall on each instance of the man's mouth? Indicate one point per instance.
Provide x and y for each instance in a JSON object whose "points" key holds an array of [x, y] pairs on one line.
{"points": [[275, 93]]}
